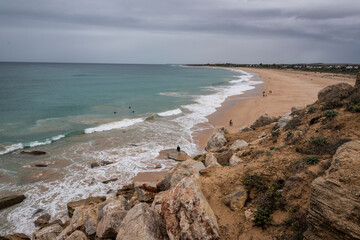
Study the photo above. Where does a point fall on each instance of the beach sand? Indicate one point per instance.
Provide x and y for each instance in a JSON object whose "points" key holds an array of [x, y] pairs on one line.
{"points": [[289, 88]]}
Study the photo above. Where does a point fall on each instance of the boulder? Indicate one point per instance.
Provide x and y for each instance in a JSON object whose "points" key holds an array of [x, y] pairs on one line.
{"points": [[263, 120], [88, 201], [175, 174], [6, 202], [91, 221], [223, 157], [110, 217], [234, 160], [283, 121], [210, 161], [238, 145], [35, 153], [261, 135], [48, 233], [333, 91], [334, 210], [126, 191], [42, 220], [156, 204], [236, 200], [221, 130], [101, 163], [217, 140], [145, 191], [141, 222], [295, 109], [177, 156], [187, 213], [15, 236], [245, 129], [77, 235]]}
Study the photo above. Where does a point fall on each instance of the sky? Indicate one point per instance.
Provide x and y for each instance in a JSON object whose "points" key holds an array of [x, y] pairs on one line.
{"points": [[180, 31]]}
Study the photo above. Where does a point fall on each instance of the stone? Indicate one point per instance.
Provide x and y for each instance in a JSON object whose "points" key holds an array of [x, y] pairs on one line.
{"points": [[236, 200], [221, 130], [88, 201], [91, 221], [263, 120], [245, 129], [248, 213], [101, 163], [110, 180], [126, 191], [283, 120], [334, 209], [15, 236], [42, 220], [177, 156], [35, 153], [238, 145], [9, 201], [180, 171], [210, 161], [156, 204], [223, 157], [141, 222], [261, 135], [145, 191], [216, 140], [234, 160], [187, 213], [48, 233], [333, 91], [295, 109], [110, 217], [77, 235]]}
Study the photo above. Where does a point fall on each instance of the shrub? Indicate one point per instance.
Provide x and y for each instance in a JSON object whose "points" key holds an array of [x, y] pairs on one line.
{"points": [[314, 120], [197, 157], [271, 147], [331, 104], [317, 141], [275, 133], [289, 134], [311, 160], [331, 114], [312, 110], [268, 153], [254, 181], [262, 217], [293, 123]]}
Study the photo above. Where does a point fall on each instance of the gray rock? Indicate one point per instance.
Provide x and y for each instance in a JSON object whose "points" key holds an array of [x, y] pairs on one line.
{"points": [[88, 201], [48, 233], [141, 222], [238, 145], [295, 109], [210, 161], [217, 140], [234, 160], [236, 200], [77, 235], [42, 220], [333, 91], [221, 130], [283, 121], [245, 129], [261, 135], [6, 202], [263, 120]]}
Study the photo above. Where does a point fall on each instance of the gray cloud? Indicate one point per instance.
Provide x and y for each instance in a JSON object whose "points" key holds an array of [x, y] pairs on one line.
{"points": [[180, 31]]}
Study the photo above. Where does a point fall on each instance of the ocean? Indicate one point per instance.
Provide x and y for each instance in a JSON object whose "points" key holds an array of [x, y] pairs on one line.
{"points": [[84, 113]]}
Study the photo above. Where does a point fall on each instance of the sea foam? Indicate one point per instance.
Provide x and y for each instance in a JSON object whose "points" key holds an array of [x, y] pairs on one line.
{"points": [[170, 113], [114, 125]]}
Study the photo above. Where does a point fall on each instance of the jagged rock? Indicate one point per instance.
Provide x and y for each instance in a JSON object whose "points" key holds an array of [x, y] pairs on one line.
{"points": [[91, 221], [221, 130], [334, 210], [175, 174], [79, 217], [187, 213], [283, 121], [141, 222], [263, 120], [177, 156], [77, 235], [238, 145], [35, 153], [48, 233], [111, 215], [145, 191], [6, 202], [88, 201], [101, 163], [126, 191], [245, 129], [258, 141], [261, 135], [156, 204], [210, 161], [217, 140], [333, 91], [295, 109], [15, 236], [234, 160], [42, 220], [223, 157], [236, 200], [248, 214]]}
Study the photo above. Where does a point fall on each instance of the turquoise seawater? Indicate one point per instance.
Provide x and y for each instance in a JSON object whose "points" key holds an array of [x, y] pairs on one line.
{"points": [[84, 113]]}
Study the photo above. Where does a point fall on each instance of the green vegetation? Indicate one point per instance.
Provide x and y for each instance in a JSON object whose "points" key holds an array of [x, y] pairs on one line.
{"points": [[311, 160], [318, 141], [254, 181], [331, 114], [289, 134], [268, 153], [312, 110], [262, 217], [293, 123], [275, 133]]}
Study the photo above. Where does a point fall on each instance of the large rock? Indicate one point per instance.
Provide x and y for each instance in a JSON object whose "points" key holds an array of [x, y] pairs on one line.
{"points": [[159, 198], [211, 161], [111, 215], [6, 202], [238, 145], [180, 171], [177, 156], [334, 211], [187, 213], [333, 91], [48, 233], [141, 222], [283, 120], [221, 130], [77, 235], [263, 120], [126, 191], [217, 140], [89, 201], [245, 129], [15, 236], [236, 200], [234, 160], [145, 191], [42, 220]]}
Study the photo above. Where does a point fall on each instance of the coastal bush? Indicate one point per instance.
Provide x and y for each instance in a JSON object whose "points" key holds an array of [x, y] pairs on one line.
{"points": [[331, 104], [197, 157], [296, 226], [254, 181], [331, 114], [353, 103], [312, 110], [311, 160], [289, 134], [314, 120], [275, 133], [271, 147], [292, 124], [268, 153], [317, 141], [262, 217]]}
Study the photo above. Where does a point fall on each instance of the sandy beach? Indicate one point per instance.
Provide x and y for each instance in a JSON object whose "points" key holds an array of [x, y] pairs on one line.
{"points": [[289, 88]]}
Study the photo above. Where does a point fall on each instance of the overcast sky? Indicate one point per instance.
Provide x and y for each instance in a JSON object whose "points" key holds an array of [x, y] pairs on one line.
{"points": [[180, 31]]}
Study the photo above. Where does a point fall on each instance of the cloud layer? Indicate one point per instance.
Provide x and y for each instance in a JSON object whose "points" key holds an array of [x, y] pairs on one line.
{"points": [[170, 31]]}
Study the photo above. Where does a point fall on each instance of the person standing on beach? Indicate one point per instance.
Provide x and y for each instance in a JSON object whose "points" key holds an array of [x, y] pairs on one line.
{"points": [[231, 122], [178, 149]]}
